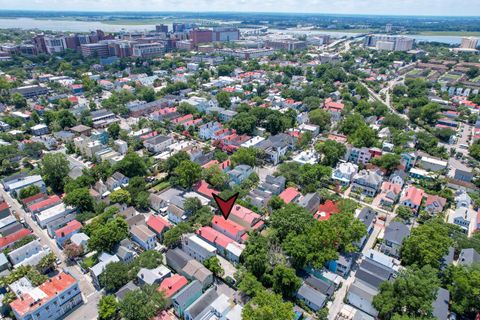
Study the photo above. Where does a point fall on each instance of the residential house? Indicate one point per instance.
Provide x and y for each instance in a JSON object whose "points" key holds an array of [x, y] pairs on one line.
{"points": [[186, 296], [342, 265], [344, 173], [143, 236], [314, 299], [412, 198], [226, 246], [80, 239], [16, 183], [172, 285], [389, 194], [433, 164], [239, 174], [325, 210], [153, 276], [158, 225], [462, 199], [229, 228], [310, 201], [367, 182], [197, 248], [393, 238], [275, 147], [185, 265], [29, 254], [9, 240], [158, 143], [398, 177], [290, 194], [468, 257], [368, 217], [65, 233], [116, 181], [359, 155], [434, 204], [96, 271]]}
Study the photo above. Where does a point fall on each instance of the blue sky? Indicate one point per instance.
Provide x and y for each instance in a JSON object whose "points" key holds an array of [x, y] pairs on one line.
{"points": [[381, 7]]}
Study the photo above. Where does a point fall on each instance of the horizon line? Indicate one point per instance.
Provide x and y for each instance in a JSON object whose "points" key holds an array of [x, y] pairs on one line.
{"points": [[236, 12]]}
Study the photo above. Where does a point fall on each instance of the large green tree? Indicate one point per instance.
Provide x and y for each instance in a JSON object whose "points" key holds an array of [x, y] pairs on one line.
{"points": [[332, 151], [187, 173], [55, 168], [108, 308], [268, 306], [285, 281], [80, 198], [411, 294], [427, 244], [142, 304], [105, 237]]}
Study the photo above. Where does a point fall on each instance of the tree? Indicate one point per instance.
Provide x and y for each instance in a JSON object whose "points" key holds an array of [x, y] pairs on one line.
{"points": [[388, 161], [290, 219], [80, 198], [114, 130], [223, 99], [255, 255], [412, 294], [175, 160], [244, 123], [120, 196], [364, 136], [108, 308], [285, 281], [249, 285], [55, 168], [142, 304], [131, 165], [321, 118], [276, 203], [114, 276], [404, 212], [427, 244], [105, 237], [312, 102], [172, 237], [332, 151], [72, 250], [46, 263], [463, 282], [246, 156], [213, 264], [18, 100], [29, 191], [268, 306], [187, 173], [474, 150], [215, 176]]}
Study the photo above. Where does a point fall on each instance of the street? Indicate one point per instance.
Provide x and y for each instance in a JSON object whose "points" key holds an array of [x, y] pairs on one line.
{"points": [[90, 294]]}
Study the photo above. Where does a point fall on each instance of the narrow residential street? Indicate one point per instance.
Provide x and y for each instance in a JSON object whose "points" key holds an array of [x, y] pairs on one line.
{"points": [[90, 294]]}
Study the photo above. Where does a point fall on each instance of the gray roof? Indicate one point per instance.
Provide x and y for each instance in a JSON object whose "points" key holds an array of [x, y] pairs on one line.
{"points": [[396, 232], [323, 286], [184, 295], [373, 273], [468, 256], [362, 290], [367, 215], [203, 302], [440, 305], [151, 276], [312, 295], [130, 286], [178, 257]]}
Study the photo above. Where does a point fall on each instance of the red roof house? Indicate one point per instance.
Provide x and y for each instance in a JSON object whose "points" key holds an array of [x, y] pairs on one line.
{"points": [[326, 210], [290, 194], [170, 286], [158, 225], [8, 241], [229, 228]]}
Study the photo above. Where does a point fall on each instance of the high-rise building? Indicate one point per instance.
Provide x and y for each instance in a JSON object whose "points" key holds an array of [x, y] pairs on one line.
{"points": [[469, 43], [385, 45], [388, 28], [201, 36], [147, 50], [403, 44], [178, 27], [221, 34], [161, 28], [55, 44], [39, 42], [99, 49], [286, 44]]}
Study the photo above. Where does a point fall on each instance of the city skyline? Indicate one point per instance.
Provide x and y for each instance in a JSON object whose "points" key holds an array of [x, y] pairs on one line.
{"points": [[369, 7]]}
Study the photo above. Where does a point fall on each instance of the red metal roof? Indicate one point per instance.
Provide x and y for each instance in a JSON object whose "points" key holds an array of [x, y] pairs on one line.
{"points": [[4, 206], [54, 286], [213, 236], [228, 226], [157, 224], [72, 226], [47, 202], [172, 285], [203, 188], [14, 237], [415, 195], [245, 214], [326, 210], [26, 201], [289, 194]]}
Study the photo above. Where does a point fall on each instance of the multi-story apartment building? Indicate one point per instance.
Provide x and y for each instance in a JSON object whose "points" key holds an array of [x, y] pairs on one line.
{"points": [[49, 301]]}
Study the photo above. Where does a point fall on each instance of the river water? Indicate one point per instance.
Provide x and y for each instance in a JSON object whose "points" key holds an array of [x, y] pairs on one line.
{"points": [[86, 26]]}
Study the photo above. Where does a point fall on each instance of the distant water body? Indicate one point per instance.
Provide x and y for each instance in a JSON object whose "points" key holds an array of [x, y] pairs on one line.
{"points": [[86, 26]]}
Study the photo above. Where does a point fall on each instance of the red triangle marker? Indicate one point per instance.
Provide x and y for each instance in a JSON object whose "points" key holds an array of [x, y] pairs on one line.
{"points": [[225, 206]]}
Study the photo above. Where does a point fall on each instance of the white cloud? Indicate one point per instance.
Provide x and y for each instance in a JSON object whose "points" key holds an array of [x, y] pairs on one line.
{"points": [[400, 7]]}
